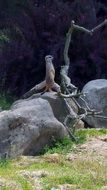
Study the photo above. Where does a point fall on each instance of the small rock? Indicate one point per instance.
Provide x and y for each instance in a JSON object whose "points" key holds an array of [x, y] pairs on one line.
{"points": [[34, 174], [67, 187], [71, 157], [80, 125], [54, 158], [53, 188]]}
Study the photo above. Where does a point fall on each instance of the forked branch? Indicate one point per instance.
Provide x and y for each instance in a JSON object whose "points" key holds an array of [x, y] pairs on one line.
{"points": [[65, 80]]}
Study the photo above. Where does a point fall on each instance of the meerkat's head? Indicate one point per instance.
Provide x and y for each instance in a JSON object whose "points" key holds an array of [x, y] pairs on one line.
{"points": [[48, 58]]}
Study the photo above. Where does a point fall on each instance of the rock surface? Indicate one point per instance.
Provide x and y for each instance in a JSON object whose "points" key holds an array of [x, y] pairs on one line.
{"points": [[32, 123], [96, 97]]}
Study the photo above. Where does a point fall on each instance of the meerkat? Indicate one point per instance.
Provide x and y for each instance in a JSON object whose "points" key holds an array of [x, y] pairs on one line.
{"points": [[49, 83], [50, 73]]}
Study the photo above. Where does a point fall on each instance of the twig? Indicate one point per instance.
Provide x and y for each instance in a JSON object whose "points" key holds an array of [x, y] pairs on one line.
{"points": [[99, 26], [35, 89], [86, 104], [82, 29], [71, 135], [71, 116], [70, 95], [100, 116]]}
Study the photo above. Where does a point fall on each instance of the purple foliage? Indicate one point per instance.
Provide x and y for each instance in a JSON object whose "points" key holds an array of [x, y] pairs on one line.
{"points": [[35, 28]]}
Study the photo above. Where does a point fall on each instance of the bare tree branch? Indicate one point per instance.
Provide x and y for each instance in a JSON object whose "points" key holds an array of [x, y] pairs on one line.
{"points": [[65, 80], [70, 95], [35, 89], [68, 89], [82, 29], [99, 26]]}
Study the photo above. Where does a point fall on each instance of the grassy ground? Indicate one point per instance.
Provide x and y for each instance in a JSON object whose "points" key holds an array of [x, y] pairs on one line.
{"points": [[6, 101], [79, 171]]}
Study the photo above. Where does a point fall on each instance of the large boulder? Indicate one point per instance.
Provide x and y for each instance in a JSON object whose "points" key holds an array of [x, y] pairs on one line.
{"points": [[96, 97], [32, 123]]}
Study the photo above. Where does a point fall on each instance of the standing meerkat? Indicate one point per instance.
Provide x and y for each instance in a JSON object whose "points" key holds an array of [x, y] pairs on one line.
{"points": [[49, 83], [50, 73]]}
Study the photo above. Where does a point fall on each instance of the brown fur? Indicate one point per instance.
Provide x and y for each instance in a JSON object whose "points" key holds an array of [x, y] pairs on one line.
{"points": [[50, 73]]}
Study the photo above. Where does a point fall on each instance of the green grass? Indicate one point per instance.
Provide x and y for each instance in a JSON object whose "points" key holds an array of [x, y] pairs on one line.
{"points": [[5, 101], [5, 188], [23, 182], [65, 145], [84, 133], [82, 174], [60, 146]]}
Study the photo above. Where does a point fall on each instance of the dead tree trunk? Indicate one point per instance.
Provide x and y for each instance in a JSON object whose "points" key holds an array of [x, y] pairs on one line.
{"points": [[68, 90], [65, 80]]}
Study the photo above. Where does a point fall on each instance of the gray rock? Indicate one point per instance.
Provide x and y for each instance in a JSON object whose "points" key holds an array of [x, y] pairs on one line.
{"points": [[32, 123], [96, 97]]}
